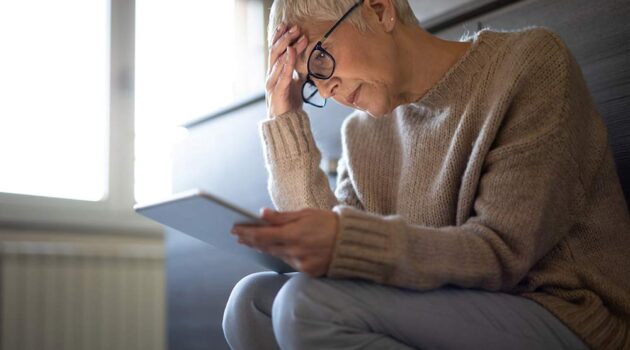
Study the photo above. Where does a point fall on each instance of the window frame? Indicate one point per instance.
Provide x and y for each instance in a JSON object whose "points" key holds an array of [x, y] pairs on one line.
{"points": [[113, 213]]}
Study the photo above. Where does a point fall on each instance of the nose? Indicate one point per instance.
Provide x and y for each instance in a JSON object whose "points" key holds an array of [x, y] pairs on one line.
{"points": [[327, 88]]}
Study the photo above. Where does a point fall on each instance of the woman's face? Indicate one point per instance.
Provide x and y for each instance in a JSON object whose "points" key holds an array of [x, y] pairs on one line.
{"points": [[364, 76]]}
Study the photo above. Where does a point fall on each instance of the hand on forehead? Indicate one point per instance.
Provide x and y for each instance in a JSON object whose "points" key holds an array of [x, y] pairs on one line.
{"points": [[314, 32]]}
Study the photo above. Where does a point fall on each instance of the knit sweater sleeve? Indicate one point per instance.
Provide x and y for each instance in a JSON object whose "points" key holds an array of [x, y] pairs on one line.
{"points": [[292, 159], [528, 196]]}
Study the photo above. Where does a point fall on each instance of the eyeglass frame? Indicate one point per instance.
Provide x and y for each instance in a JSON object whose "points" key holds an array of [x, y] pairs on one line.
{"points": [[319, 47]]}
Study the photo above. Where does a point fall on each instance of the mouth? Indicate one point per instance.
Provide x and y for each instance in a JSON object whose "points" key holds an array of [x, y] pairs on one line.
{"points": [[353, 97]]}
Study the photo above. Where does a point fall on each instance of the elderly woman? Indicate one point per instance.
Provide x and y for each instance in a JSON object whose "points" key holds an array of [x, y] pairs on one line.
{"points": [[477, 203]]}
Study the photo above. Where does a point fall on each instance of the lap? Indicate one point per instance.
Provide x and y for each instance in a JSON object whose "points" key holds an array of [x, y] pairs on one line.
{"points": [[447, 318]]}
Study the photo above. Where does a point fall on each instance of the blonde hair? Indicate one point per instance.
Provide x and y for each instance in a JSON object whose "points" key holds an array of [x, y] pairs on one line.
{"points": [[299, 11]]}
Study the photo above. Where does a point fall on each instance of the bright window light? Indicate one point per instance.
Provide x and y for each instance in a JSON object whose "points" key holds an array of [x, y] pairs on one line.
{"points": [[189, 57], [54, 99]]}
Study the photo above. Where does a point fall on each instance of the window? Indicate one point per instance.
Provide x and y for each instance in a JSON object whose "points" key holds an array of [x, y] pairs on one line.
{"points": [[66, 116], [54, 98], [193, 57], [72, 75]]}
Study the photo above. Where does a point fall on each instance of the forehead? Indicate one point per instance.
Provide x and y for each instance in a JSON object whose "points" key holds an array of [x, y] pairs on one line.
{"points": [[315, 30]]}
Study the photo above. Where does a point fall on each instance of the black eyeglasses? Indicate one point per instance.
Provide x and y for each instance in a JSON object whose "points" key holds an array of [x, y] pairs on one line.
{"points": [[321, 65]]}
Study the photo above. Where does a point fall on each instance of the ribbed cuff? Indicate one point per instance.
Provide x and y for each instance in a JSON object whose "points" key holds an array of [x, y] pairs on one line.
{"points": [[287, 136], [366, 245]]}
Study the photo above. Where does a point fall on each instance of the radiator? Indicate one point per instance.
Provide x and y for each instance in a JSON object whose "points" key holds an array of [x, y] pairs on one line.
{"points": [[78, 295]]}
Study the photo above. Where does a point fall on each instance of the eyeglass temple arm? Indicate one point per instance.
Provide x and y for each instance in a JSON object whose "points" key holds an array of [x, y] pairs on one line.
{"points": [[341, 19]]}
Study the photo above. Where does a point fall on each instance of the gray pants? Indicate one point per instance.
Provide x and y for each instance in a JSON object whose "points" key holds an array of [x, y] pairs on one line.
{"points": [[269, 311]]}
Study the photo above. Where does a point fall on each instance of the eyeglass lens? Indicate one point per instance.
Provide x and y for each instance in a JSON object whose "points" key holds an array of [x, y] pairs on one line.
{"points": [[321, 66], [311, 95]]}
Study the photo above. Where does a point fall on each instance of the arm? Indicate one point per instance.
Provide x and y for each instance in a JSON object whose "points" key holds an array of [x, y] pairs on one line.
{"points": [[525, 205], [292, 159], [345, 191]]}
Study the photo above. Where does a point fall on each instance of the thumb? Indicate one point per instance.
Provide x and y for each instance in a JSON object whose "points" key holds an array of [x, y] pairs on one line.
{"points": [[277, 217]]}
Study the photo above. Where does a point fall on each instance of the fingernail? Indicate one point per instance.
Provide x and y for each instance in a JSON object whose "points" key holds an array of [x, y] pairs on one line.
{"points": [[302, 38], [293, 29]]}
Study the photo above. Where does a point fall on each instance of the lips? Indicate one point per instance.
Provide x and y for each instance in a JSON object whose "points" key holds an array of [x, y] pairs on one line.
{"points": [[352, 98]]}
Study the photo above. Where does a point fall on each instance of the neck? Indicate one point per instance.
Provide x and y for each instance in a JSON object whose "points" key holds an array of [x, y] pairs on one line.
{"points": [[423, 59]]}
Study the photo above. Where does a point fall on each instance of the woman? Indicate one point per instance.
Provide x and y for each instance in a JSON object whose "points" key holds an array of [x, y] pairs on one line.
{"points": [[477, 203]]}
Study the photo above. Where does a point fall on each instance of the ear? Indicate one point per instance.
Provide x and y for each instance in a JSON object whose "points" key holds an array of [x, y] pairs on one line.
{"points": [[384, 12]]}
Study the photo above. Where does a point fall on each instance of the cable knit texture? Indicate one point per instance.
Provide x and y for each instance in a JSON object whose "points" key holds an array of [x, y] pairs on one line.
{"points": [[499, 178]]}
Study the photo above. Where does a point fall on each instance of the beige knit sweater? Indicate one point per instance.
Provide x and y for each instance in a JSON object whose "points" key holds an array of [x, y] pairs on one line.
{"points": [[499, 178]]}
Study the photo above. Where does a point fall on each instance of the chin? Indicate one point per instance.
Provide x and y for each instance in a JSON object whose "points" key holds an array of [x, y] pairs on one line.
{"points": [[378, 106], [374, 115], [375, 104], [379, 111]]}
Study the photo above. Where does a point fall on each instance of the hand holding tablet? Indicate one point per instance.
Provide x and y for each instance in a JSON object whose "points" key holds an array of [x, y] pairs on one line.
{"points": [[305, 239], [210, 219]]}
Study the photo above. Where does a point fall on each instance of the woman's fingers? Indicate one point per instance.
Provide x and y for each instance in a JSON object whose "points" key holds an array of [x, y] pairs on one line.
{"points": [[278, 33], [285, 78], [299, 46], [279, 250], [281, 44], [288, 42], [276, 70]]}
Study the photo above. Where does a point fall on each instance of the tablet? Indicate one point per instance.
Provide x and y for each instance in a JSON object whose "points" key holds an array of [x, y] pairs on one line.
{"points": [[210, 219]]}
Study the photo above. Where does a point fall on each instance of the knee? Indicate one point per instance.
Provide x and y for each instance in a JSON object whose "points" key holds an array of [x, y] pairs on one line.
{"points": [[298, 310], [243, 301]]}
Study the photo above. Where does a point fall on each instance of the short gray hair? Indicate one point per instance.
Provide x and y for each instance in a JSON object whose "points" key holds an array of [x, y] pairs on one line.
{"points": [[298, 11]]}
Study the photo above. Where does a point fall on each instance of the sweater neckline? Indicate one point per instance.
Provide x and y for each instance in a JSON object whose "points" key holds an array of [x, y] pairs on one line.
{"points": [[470, 62]]}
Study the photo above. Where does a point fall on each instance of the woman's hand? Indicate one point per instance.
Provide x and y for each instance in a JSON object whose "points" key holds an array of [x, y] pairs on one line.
{"points": [[304, 239], [283, 91]]}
